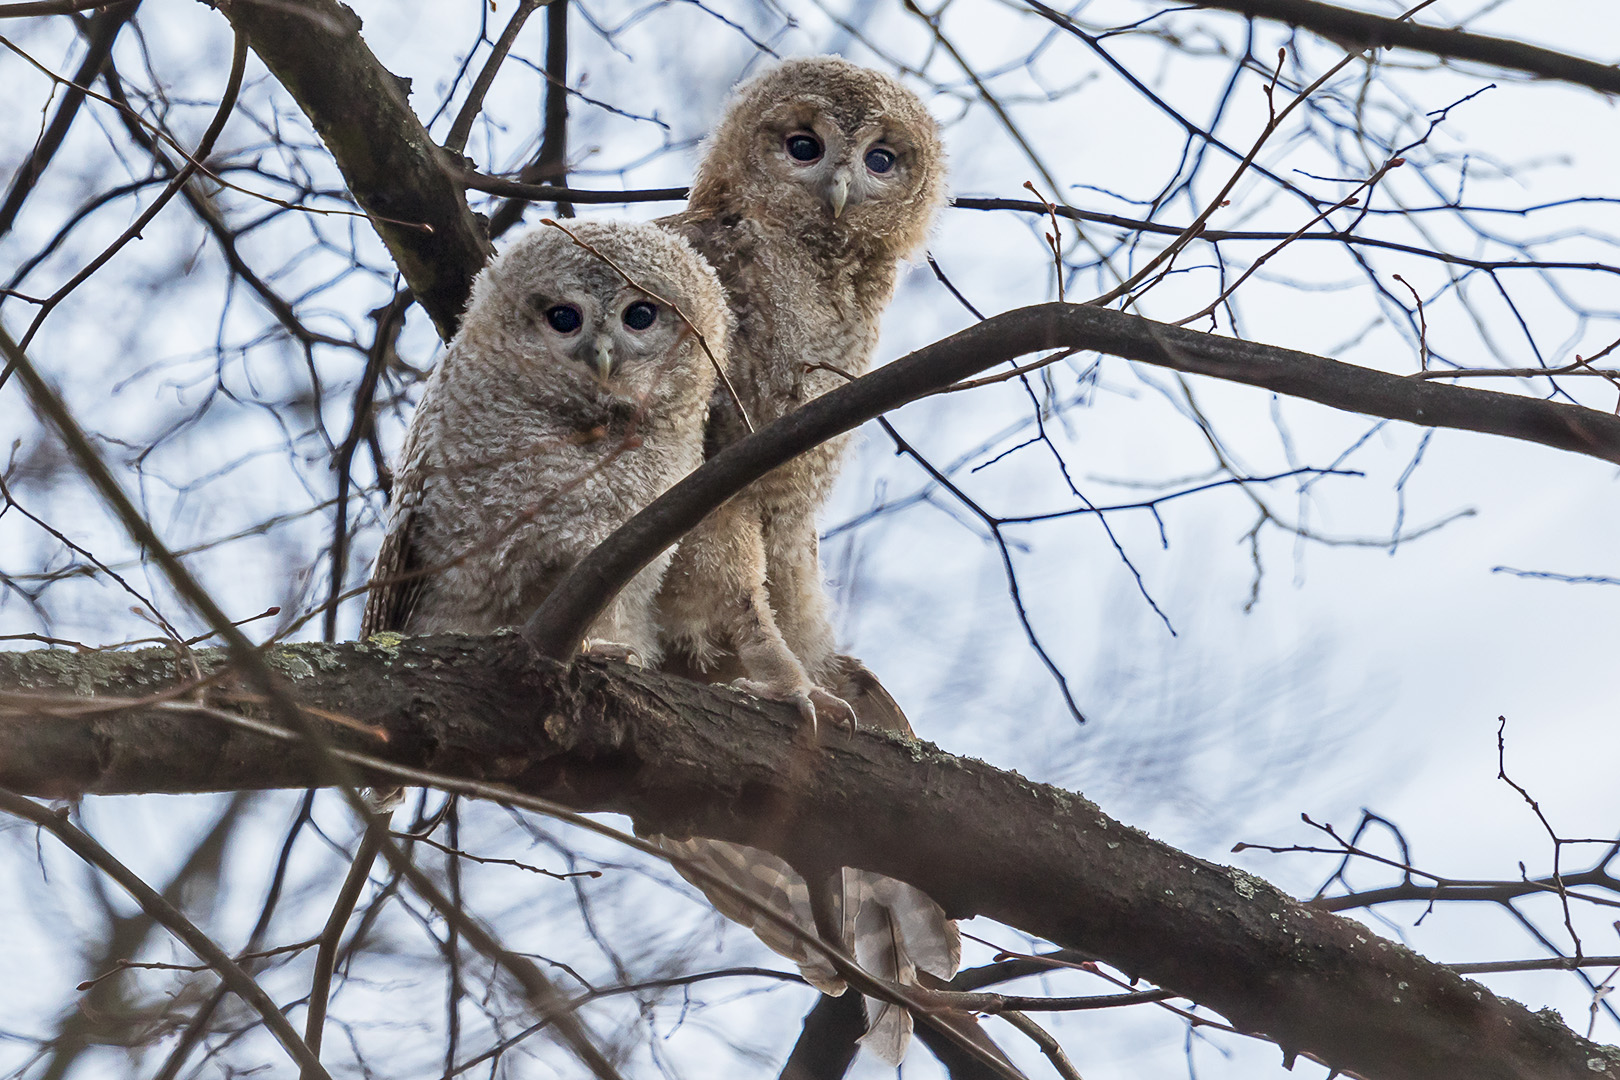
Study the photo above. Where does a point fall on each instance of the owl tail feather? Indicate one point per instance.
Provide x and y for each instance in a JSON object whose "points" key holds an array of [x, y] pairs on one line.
{"points": [[892, 929], [898, 931], [771, 883]]}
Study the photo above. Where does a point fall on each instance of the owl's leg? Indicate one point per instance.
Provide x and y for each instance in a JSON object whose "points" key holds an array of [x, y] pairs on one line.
{"points": [[797, 593], [774, 669], [716, 597], [691, 632], [628, 629]]}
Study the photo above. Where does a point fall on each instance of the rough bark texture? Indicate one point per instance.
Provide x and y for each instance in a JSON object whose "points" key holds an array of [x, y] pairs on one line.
{"points": [[392, 166], [680, 757]]}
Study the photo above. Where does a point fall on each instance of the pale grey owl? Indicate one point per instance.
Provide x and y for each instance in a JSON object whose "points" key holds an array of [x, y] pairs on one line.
{"points": [[573, 395], [821, 178]]}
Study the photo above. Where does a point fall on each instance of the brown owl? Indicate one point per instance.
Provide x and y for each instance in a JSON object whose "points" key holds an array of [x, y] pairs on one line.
{"points": [[821, 178], [574, 394]]}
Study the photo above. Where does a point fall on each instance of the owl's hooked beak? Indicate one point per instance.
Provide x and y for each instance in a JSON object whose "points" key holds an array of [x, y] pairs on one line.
{"points": [[838, 192], [601, 360]]}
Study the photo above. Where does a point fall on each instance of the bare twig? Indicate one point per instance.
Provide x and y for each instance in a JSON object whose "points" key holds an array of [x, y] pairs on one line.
{"points": [[99, 35], [456, 141], [165, 913], [1423, 326], [205, 146], [320, 988], [1043, 1039]]}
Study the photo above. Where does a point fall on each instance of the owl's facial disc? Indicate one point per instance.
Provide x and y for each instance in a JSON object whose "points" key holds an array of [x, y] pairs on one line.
{"points": [[633, 330], [844, 168]]}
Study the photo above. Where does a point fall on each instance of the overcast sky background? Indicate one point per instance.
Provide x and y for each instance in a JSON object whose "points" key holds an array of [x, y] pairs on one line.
{"points": [[1360, 677]]}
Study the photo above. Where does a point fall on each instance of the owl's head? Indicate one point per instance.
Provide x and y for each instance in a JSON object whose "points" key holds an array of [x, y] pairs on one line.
{"points": [[822, 145], [597, 309]]}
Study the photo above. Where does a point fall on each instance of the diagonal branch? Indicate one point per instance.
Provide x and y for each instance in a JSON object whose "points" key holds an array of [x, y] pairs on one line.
{"points": [[461, 128], [550, 164], [99, 35], [559, 624], [1362, 30]]}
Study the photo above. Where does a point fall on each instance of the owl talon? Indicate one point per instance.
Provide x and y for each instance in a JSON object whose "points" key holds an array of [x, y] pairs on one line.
{"points": [[812, 702], [834, 708], [598, 649]]}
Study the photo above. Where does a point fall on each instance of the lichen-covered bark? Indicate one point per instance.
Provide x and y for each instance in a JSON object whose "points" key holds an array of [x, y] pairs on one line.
{"points": [[683, 758], [392, 166]]}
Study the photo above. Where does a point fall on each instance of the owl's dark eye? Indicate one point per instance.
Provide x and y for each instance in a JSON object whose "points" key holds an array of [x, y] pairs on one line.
{"points": [[802, 147], [564, 318], [640, 315], [879, 160]]}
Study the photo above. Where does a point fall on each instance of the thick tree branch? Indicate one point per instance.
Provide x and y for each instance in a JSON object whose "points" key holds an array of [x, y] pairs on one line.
{"points": [[1363, 30], [392, 166], [559, 624], [682, 758]]}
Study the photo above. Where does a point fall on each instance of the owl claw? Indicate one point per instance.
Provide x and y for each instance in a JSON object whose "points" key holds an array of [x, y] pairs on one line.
{"points": [[812, 703], [598, 649], [835, 708]]}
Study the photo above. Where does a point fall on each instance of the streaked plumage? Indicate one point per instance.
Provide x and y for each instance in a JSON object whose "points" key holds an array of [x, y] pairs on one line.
{"points": [[808, 252], [552, 419]]}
